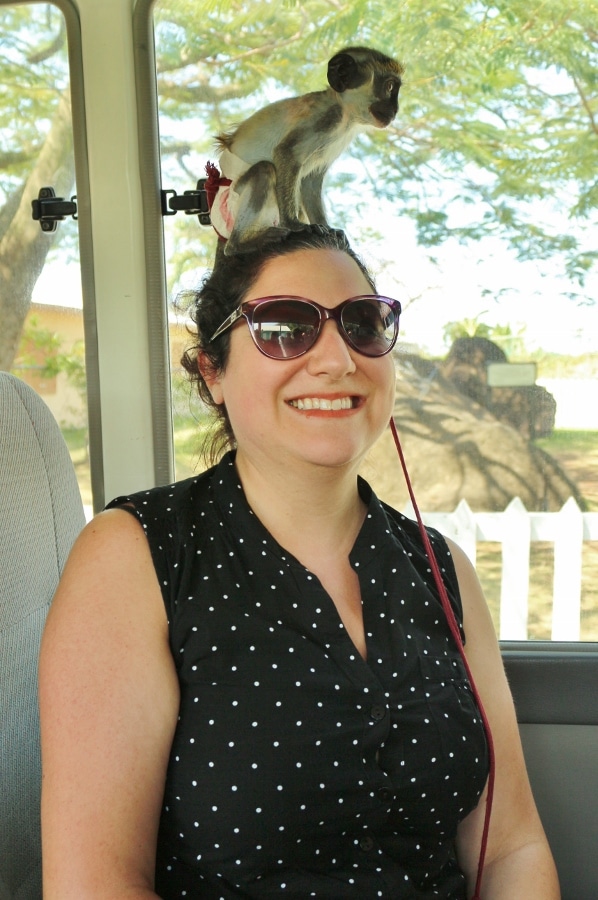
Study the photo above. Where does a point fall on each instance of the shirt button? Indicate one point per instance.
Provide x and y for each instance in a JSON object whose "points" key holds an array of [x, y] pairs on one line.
{"points": [[366, 843], [385, 793], [378, 712]]}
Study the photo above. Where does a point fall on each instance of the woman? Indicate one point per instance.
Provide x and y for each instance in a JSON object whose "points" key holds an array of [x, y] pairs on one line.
{"points": [[248, 685]]}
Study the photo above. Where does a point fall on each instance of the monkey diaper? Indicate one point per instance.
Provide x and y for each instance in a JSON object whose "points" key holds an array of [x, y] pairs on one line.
{"points": [[225, 201]]}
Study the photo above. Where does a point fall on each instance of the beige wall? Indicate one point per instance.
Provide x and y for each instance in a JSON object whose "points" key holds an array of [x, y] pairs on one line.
{"points": [[63, 399]]}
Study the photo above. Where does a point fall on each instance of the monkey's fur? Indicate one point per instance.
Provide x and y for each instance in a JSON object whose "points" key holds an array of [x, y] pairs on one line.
{"points": [[277, 158]]}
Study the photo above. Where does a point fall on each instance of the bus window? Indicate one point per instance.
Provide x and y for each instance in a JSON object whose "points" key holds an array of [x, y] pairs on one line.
{"points": [[42, 335], [496, 363]]}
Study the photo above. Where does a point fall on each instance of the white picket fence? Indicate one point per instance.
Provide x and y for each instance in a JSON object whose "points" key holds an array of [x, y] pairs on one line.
{"points": [[515, 529]]}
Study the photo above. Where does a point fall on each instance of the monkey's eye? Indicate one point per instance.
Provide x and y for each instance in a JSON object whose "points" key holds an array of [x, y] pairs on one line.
{"points": [[390, 86]]}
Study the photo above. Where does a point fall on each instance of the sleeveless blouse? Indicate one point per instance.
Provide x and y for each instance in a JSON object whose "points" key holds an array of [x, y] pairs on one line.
{"points": [[297, 768]]}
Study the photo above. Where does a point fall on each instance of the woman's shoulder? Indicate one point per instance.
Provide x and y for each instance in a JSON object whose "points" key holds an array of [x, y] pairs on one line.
{"points": [[410, 531], [165, 498], [174, 518], [407, 533], [110, 544]]}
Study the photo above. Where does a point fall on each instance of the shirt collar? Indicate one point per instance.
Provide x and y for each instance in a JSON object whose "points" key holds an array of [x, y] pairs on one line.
{"points": [[247, 528]]}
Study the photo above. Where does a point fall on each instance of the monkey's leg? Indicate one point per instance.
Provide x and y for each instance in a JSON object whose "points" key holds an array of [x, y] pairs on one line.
{"points": [[256, 215], [288, 172], [311, 198]]}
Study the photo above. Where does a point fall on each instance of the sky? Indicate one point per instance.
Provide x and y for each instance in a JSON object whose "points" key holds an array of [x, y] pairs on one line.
{"points": [[496, 288]]}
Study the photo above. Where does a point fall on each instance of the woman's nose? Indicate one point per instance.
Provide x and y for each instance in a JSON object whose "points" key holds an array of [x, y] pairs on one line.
{"points": [[330, 354]]}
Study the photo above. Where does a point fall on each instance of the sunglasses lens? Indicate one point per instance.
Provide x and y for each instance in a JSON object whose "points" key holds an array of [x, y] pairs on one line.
{"points": [[371, 325], [285, 328]]}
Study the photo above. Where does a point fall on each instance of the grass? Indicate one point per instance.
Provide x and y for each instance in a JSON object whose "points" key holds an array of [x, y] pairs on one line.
{"points": [[187, 450], [577, 452], [76, 441], [564, 441]]}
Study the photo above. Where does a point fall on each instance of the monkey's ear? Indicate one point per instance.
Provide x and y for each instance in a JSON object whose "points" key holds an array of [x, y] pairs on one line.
{"points": [[343, 73]]}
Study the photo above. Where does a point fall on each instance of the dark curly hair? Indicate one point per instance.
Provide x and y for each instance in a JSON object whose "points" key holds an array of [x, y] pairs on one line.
{"points": [[221, 292]]}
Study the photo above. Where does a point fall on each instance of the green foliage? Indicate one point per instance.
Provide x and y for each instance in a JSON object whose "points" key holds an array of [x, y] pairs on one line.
{"points": [[498, 124], [33, 75], [465, 328], [513, 344], [34, 131], [41, 349], [556, 365], [497, 129]]}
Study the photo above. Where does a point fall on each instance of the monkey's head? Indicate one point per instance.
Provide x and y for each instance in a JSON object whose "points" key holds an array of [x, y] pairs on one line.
{"points": [[375, 76]]}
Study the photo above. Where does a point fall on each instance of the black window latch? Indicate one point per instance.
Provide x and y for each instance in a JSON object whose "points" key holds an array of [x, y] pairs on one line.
{"points": [[49, 209], [192, 203]]}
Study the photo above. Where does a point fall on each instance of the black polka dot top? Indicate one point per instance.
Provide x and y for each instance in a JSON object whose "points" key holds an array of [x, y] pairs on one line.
{"points": [[297, 768]]}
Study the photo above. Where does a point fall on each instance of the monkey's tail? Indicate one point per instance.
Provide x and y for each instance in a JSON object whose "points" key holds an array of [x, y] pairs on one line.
{"points": [[224, 140]]}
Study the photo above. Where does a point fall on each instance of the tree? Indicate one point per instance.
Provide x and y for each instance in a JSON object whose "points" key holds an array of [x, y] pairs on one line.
{"points": [[498, 125], [36, 150], [512, 344], [44, 351], [456, 449], [499, 102]]}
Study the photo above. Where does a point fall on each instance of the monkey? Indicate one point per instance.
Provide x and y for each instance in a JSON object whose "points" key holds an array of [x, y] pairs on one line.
{"points": [[273, 164]]}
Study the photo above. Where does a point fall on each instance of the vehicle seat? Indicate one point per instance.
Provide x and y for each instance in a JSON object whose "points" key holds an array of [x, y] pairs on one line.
{"points": [[41, 514]]}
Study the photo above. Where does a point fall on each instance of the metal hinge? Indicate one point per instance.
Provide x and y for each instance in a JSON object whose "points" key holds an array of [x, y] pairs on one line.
{"points": [[192, 203], [49, 209]]}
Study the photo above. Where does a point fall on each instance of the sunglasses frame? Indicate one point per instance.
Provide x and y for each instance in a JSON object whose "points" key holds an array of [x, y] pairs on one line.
{"points": [[246, 309]]}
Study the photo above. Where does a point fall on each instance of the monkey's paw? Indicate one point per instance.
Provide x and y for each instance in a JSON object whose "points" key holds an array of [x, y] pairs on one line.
{"points": [[297, 225], [251, 243]]}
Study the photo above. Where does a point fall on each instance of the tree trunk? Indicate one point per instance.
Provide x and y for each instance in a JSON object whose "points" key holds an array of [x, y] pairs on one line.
{"points": [[23, 245], [457, 450]]}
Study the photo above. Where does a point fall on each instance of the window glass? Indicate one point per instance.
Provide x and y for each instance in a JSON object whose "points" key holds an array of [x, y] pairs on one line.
{"points": [[41, 338], [475, 209]]}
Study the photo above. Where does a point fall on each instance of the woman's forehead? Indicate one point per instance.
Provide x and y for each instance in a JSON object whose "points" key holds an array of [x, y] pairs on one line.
{"points": [[312, 273]]}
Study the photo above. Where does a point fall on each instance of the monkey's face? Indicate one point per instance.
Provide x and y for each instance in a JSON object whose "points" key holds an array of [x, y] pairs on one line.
{"points": [[386, 102], [372, 78]]}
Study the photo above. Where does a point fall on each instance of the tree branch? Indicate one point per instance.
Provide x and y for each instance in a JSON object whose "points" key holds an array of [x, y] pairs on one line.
{"points": [[586, 104], [50, 49]]}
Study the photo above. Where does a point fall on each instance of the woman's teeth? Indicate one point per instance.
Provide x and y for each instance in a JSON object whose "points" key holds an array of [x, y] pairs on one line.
{"points": [[322, 403]]}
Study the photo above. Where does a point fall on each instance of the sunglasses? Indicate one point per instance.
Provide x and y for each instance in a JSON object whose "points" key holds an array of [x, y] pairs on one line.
{"points": [[287, 327]]}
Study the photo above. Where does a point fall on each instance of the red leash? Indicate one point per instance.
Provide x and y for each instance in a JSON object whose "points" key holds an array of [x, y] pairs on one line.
{"points": [[454, 627]]}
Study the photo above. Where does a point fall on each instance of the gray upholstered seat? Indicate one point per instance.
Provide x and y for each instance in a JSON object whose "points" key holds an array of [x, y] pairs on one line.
{"points": [[40, 516]]}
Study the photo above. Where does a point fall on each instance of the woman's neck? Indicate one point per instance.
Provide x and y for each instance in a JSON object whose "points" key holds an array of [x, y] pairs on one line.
{"points": [[315, 512]]}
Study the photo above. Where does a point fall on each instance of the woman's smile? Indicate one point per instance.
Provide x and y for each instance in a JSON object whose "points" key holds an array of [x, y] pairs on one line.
{"points": [[325, 403]]}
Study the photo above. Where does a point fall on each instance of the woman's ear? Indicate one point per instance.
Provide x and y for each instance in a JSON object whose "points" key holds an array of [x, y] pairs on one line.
{"points": [[211, 375]]}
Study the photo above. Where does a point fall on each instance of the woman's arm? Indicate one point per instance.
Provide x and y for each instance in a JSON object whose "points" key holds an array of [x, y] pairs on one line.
{"points": [[518, 859], [108, 703]]}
